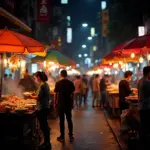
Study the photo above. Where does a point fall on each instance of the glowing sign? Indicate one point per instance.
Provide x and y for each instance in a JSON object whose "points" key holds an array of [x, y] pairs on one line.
{"points": [[64, 1], [141, 30], [69, 35], [103, 5], [92, 32]]}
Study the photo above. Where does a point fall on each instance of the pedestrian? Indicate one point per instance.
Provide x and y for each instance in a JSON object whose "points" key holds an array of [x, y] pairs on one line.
{"points": [[65, 88], [43, 98], [86, 82], [144, 98], [96, 90], [77, 92], [103, 86], [91, 83]]}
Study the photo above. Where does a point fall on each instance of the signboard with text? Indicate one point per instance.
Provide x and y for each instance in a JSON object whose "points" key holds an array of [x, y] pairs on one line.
{"points": [[141, 31], [105, 22], [43, 10]]}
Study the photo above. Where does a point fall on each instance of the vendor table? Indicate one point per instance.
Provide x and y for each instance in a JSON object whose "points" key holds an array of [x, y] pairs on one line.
{"points": [[132, 100], [113, 101], [17, 127]]}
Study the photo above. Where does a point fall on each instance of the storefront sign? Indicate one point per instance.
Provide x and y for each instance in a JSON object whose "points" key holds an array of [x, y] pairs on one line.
{"points": [[43, 11], [105, 22], [141, 30]]}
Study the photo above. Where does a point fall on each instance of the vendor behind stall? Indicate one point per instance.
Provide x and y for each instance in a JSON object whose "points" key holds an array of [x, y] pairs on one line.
{"points": [[27, 83], [104, 82], [124, 90], [43, 98]]}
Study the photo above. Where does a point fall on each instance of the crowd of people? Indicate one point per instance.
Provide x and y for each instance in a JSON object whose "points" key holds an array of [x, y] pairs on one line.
{"points": [[74, 93]]}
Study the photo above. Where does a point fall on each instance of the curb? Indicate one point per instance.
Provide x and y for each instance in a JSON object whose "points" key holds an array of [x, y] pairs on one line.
{"points": [[116, 137]]}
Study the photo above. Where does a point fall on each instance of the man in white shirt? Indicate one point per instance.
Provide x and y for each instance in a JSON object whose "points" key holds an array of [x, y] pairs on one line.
{"points": [[96, 90]]}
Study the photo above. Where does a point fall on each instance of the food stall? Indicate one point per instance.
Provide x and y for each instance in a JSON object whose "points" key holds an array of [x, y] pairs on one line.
{"points": [[113, 99], [18, 119], [18, 116]]}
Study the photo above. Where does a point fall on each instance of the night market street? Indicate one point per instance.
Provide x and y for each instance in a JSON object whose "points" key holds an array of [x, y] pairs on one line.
{"points": [[91, 132]]}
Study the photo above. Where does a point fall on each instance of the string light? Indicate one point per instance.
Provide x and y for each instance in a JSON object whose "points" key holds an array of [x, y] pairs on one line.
{"points": [[141, 60], [116, 65], [148, 57], [120, 62], [5, 62], [50, 66], [132, 55]]}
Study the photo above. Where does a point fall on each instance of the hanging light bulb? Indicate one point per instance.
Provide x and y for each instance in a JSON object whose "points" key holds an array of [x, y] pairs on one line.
{"points": [[19, 64], [44, 64], [132, 55], [5, 62], [23, 63], [110, 64], [141, 60], [120, 62], [116, 65], [116, 72]]}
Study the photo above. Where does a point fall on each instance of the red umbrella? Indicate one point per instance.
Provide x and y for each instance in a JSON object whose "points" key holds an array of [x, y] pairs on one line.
{"points": [[14, 42], [137, 45], [139, 42], [121, 46]]}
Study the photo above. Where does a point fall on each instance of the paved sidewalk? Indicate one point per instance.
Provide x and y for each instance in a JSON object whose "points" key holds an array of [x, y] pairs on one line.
{"points": [[91, 132]]}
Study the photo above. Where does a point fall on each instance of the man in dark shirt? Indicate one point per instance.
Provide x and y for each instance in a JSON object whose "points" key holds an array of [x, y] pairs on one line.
{"points": [[124, 90], [65, 88], [27, 83]]}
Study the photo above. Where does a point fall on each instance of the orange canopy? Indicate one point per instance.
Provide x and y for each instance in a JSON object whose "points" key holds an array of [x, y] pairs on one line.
{"points": [[14, 42]]}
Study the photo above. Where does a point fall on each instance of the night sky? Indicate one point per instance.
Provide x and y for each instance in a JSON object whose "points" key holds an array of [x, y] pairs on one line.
{"points": [[82, 11]]}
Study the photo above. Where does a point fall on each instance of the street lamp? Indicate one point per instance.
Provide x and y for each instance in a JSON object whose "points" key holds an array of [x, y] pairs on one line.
{"points": [[85, 55], [89, 38], [94, 48], [84, 46], [79, 55], [84, 25]]}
